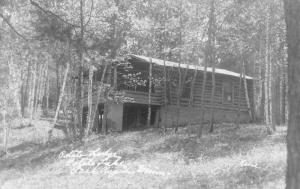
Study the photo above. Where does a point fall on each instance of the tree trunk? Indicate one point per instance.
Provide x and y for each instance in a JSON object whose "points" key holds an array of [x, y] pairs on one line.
{"points": [[292, 18], [6, 126], [165, 95], [271, 94], [149, 94], [202, 108], [27, 89], [179, 94], [276, 101], [115, 85], [191, 100], [22, 90], [209, 57], [24, 95], [61, 94], [43, 85], [80, 75], [39, 89], [254, 89], [57, 80], [47, 88], [99, 93], [268, 119], [90, 100], [246, 92], [15, 83], [32, 96], [113, 54], [178, 97], [36, 93], [73, 89], [106, 105], [212, 101], [259, 102], [237, 121], [283, 99], [213, 62]]}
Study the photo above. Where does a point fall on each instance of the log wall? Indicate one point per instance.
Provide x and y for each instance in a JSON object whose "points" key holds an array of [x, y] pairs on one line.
{"points": [[225, 111], [190, 115], [220, 103]]}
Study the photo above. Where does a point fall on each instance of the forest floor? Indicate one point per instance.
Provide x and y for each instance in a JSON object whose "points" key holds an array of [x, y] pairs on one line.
{"points": [[227, 158]]}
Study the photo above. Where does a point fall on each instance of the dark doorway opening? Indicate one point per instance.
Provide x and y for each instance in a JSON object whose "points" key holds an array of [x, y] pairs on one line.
{"points": [[98, 118], [97, 123], [135, 116]]}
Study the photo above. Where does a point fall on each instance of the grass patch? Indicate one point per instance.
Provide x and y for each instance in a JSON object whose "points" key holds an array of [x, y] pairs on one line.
{"points": [[228, 158]]}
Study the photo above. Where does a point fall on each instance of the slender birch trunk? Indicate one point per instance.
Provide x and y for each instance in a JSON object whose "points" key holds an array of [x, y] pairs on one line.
{"points": [[237, 121], [260, 104], [61, 94], [283, 99], [6, 126], [254, 89], [113, 54], [179, 72], [14, 82], [202, 104], [271, 94], [115, 85], [267, 78], [191, 100], [27, 89], [38, 81], [90, 100], [149, 94], [165, 95], [178, 97], [33, 86], [208, 57], [39, 88], [246, 92], [213, 62], [80, 75], [29, 93], [106, 105], [100, 87], [212, 101], [57, 80], [165, 76], [46, 89], [23, 93]]}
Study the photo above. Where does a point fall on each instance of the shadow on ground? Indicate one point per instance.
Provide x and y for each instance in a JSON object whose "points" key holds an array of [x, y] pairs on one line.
{"points": [[226, 145], [31, 154], [226, 140]]}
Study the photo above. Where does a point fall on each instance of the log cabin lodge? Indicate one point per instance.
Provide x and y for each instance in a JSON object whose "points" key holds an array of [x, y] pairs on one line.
{"points": [[132, 81]]}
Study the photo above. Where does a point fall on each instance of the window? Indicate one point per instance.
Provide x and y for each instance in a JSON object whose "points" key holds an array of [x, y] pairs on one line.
{"points": [[227, 92]]}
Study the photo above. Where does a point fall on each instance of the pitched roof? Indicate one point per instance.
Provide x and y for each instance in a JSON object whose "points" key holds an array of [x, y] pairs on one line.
{"points": [[187, 66]]}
